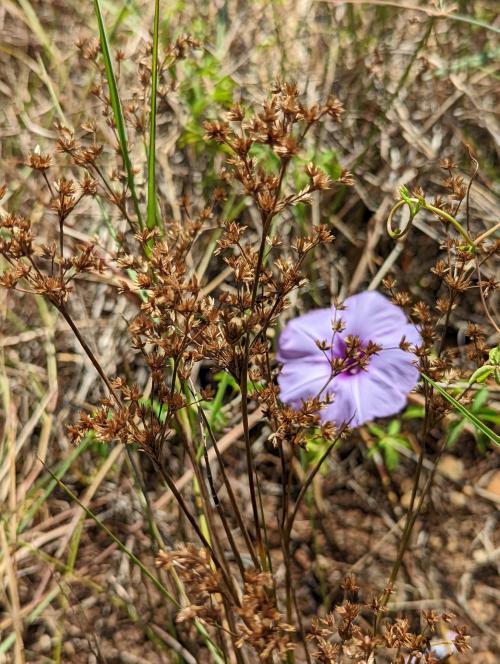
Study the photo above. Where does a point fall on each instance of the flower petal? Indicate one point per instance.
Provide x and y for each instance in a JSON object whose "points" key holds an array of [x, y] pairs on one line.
{"points": [[300, 380], [372, 317], [299, 337], [380, 391], [395, 367]]}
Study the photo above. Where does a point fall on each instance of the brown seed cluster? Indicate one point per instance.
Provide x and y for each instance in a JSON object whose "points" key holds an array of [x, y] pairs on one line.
{"points": [[256, 621], [179, 325], [342, 635]]}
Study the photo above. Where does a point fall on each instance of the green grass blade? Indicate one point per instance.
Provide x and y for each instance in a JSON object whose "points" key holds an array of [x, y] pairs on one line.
{"points": [[9, 641], [129, 7], [474, 21], [38, 30], [157, 583], [117, 109], [57, 475], [491, 435], [151, 213], [120, 545]]}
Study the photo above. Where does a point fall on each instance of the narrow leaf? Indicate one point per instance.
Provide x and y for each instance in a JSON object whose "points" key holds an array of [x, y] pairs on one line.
{"points": [[495, 438], [117, 109], [115, 539], [151, 216]]}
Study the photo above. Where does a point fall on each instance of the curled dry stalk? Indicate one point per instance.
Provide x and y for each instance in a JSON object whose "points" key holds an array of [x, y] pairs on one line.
{"points": [[457, 277]]}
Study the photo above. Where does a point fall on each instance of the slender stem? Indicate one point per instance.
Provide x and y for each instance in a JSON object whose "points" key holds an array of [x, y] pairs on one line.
{"points": [[486, 234], [446, 322], [298, 613], [430, 208], [90, 354], [248, 451], [182, 504], [230, 492], [48, 183], [220, 510], [265, 230], [483, 299], [266, 223], [444, 215], [309, 479], [61, 245], [285, 542], [412, 516]]}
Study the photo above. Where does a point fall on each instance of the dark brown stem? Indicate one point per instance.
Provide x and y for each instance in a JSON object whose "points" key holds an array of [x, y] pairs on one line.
{"points": [[220, 510], [483, 299], [248, 451], [89, 353], [266, 222], [61, 244], [230, 492], [411, 514], [182, 504], [48, 183], [205, 507], [309, 479], [446, 323]]}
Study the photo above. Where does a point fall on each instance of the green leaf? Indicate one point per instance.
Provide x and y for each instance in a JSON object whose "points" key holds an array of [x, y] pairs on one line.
{"points": [[117, 109], [391, 457], [376, 431], [405, 194], [454, 432], [490, 415], [494, 355], [414, 413], [480, 399], [493, 437], [481, 374], [394, 427]]}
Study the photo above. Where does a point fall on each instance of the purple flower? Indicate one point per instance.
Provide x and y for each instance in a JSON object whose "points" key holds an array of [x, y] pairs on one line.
{"points": [[378, 390]]}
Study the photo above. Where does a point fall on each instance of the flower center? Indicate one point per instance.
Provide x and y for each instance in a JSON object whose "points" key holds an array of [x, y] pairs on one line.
{"points": [[353, 365], [354, 357]]}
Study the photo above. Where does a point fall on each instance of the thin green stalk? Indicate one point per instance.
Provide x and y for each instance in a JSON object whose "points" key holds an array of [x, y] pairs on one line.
{"points": [[117, 109], [415, 205], [151, 208], [9, 641], [57, 475], [307, 483], [159, 586]]}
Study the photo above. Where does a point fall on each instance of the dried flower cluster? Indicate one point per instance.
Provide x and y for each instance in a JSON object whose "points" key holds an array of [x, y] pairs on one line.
{"points": [[256, 621], [342, 637], [181, 323], [43, 268]]}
